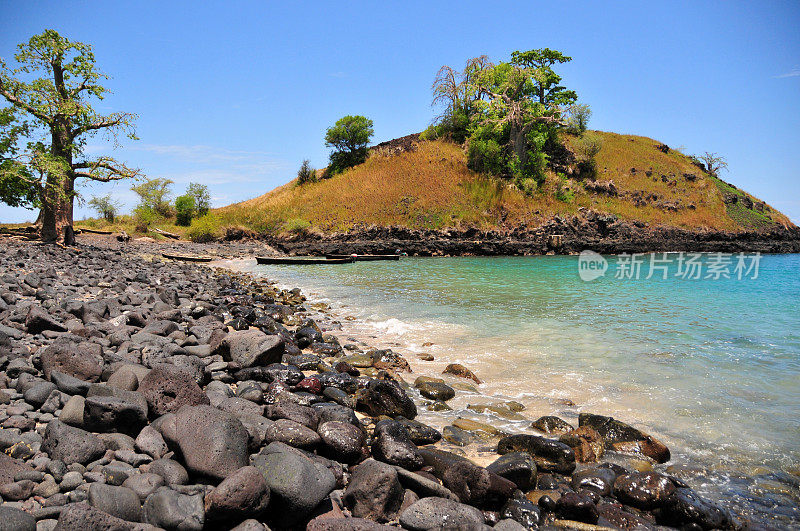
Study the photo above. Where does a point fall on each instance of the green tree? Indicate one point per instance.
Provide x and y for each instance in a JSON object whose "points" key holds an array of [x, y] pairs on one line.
{"points": [[578, 116], [154, 196], [43, 133], [349, 138], [184, 210], [105, 206], [306, 174], [202, 199]]}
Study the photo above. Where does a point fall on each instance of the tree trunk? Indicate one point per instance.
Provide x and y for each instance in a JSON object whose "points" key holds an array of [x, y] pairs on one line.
{"points": [[58, 195]]}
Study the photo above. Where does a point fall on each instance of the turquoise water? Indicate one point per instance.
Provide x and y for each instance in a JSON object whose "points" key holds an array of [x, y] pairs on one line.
{"points": [[710, 366]]}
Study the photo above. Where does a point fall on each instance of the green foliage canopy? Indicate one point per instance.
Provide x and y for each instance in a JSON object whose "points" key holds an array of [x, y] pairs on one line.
{"points": [[106, 206], [349, 138], [185, 208], [202, 199], [154, 195]]}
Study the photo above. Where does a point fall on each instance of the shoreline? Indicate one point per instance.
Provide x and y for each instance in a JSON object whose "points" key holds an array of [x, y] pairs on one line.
{"points": [[578, 501]]}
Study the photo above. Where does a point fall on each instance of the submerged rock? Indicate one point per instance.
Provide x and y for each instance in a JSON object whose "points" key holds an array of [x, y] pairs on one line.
{"points": [[624, 438]]}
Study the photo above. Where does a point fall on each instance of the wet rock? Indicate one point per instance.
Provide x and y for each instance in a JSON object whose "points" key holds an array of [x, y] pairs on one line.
{"points": [[71, 445], [440, 513], [457, 436], [73, 357], [374, 491], [550, 456], [518, 467], [392, 444], [645, 491], [578, 507], [13, 519], [600, 480], [481, 429], [251, 347], [420, 433], [501, 410], [522, 511], [212, 442], [121, 502], [587, 444], [624, 438], [382, 397], [296, 482], [243, 494], [170, 509], [434, 388], [342, 441], [469, 482], [456, 369], [551, 424], [618, 517], [687, 509]]}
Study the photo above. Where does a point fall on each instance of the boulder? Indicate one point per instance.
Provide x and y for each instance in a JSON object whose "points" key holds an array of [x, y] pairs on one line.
{"points": [[170, 509], [374, 491], [550, 456], [440, 513], [577, 507], [37, 321], [293, 433], [241, 495], [297, 483], [74, 357], [599, 480], [518, 467], [643, 490], [342, 441], [212, 442], [687, 509], [383, 397], [167, 388], [251, 347], [170, 470], [124, 411], [456, 369], [551, 424], [71, 445], [13, 519], [392, 444], [624, 438], [85, 517], [121, 502]]}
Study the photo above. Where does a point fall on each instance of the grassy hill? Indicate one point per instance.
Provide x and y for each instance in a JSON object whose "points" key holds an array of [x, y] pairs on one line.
{"points": [[431, 187]]}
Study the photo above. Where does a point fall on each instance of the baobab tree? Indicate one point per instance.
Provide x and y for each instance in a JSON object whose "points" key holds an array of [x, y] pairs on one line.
{"points": [[44, 131]]}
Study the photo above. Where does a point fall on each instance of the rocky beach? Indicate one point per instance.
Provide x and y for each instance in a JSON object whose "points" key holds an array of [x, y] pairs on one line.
{"points": [[138, 392]]}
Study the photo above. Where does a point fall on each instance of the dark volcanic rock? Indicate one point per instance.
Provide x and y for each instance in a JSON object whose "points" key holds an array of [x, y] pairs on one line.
{"points": [[573, 506], [550, 456], [296, 482], [74, 357], [688, 509], [440, 513], [600, 480], [83, 516], [393, 445], [243, 494], [551, 424], [167, 388], [374, 491], [624, 438], [643, 490], [293, 433], [71, 445], [37, 321], [170, 509], [121, 502], [172, 471], [13, 519], [342, 441], [251, 347], [383, 397], [125, 411], [518, 467], [213, 442]]}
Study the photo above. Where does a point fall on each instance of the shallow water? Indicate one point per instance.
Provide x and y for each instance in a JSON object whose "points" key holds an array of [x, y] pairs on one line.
{"points": [[709, 366]]}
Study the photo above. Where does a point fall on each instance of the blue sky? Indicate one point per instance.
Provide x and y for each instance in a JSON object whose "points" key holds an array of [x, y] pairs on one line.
{"points": [[236, 94]]}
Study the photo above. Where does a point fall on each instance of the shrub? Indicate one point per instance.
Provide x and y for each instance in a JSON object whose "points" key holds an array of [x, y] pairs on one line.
{"points": [[485, 156], [144, 216], [563, 192], [202, 199], [184, 210], [296, 225], [586, 149], [306, 174], [205, 229], [105, 206]]}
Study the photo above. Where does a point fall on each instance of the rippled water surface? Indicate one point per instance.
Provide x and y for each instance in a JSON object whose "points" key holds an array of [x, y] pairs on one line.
{"points": [[712, 367]]}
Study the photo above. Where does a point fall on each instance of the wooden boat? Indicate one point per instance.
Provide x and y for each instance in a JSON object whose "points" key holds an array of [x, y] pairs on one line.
{"points": [[365, 257], [187, 258], [299, 260]]}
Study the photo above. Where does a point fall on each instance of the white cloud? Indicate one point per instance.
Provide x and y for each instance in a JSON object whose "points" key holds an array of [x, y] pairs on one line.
{"points": [[793, 73]]}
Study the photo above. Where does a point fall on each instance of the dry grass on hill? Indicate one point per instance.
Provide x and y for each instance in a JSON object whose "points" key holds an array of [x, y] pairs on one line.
{"points": [[432, 188]]}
